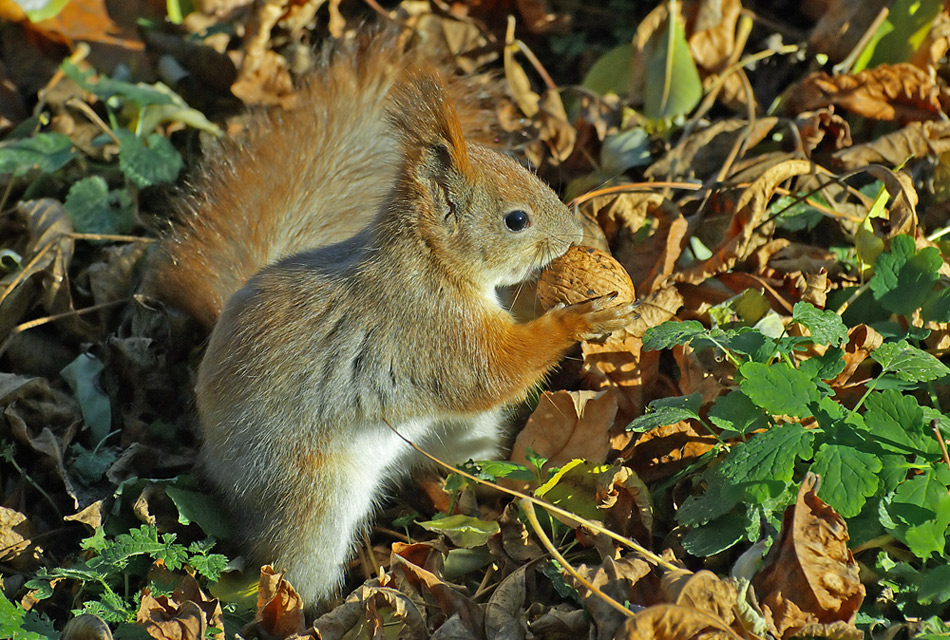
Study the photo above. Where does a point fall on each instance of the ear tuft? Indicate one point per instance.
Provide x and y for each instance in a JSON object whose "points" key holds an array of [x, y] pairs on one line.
{"points": [[425, 116]]}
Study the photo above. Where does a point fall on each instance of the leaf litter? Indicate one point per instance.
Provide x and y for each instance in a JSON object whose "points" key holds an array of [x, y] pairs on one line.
{"points": [[758, 455]]}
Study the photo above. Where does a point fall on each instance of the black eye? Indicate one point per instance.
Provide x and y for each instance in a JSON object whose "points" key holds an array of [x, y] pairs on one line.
{"points": [[517, 220]]}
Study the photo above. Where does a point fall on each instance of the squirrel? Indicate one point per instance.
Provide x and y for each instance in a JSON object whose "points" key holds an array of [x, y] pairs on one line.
{"points": [[347, 255]]}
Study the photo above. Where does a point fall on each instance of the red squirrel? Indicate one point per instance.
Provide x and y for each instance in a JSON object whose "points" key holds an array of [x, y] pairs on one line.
{"points": [[358, 243]]}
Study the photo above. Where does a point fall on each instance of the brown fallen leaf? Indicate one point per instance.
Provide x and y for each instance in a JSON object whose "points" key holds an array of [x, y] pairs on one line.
{"points": [[279, 608], [810, 575], [914, 140], [185, 614], [568, 425], [750, 227], [676, 622], [16, 544], [703, 590], [899, 92], [616, 364], [661, 452]]}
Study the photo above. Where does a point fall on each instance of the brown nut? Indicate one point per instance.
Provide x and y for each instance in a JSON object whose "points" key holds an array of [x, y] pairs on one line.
{"points": [[581, 274]]}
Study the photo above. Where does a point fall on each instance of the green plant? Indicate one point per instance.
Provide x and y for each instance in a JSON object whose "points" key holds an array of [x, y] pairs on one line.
{"points": [[880, 460], [105, 579]]}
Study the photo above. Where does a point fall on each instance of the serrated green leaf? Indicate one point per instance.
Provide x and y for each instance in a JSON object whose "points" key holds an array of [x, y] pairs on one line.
{"points": [[903, 278], [464, 531], [45, 152], [667, 411], [673, 86], [896, 420], [918, 514], [908, 362], [825, 326], [736, 412], [670, 334], [849, 477], [778, 388], [82, 376], [769, 456], [711, 504], [92, 208], [717, 535], [148, 162], [826, 366]]}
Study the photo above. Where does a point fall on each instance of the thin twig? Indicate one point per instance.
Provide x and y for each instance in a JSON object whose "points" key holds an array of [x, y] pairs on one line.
{"points": [[533, 519], [935, 425], [590, 524]]}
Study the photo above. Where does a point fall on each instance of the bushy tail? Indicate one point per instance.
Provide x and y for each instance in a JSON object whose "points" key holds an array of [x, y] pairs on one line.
{"points": [[298, 179]]}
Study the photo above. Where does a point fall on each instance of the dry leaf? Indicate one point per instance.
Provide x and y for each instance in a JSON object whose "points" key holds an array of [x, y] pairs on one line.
{"points": [[663, 451], [810, 575], [676, 622], [176, 618], [567, 425], [279, 608], [16, 544], [915, 140], [900, 92], [750, 227], [616, 364], [704, 591]]}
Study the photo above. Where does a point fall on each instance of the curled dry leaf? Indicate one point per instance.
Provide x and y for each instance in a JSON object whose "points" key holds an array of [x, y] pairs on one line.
{"points": [[581, 274], [810, 575], [185, 614], [900, 92], [914, 140], [567, 425], [676, 622], [279, 608], [750, 227], [823, 130], [661, 452], [704, 591], [365, 606]]}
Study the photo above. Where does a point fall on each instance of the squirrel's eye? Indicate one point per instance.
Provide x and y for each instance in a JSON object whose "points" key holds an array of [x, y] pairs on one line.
{"points": [[517, 220]]}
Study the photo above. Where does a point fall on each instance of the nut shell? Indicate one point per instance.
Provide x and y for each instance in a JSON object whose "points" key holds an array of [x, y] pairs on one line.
{"points": [[581, 274]]}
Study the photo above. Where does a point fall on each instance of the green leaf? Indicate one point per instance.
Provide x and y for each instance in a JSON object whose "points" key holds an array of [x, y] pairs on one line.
{"points": [[492, 470], [736, 412], [673, 86], [849, 477], [710, 505], [464, 531], [671, 333], [92, 208], [45, 152], [900, 34], [667, 411], [769, 456], [779, 388], [82, 376], [611, 72], [896, 420], [620, 151], [795, 213], [937, 307], [903, 279], [825, 326], [38, 10], [918, 514], [148, 162], [935, 585], [908, 362], [203, 510], [717, 535], [141, 95]]}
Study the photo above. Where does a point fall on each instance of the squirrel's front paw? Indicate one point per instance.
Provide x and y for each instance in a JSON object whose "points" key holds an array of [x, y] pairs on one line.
{"points": [[597, 318]]}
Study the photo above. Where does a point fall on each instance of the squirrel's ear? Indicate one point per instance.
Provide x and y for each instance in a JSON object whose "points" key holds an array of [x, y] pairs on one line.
{"points": [[426, 118]]}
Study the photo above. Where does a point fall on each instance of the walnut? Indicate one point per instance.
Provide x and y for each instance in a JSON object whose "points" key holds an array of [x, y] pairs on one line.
{"points": [[581, 274]]}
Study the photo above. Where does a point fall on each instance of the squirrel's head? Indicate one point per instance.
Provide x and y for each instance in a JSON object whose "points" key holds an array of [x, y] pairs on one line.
{"points": [[490, 221]]}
